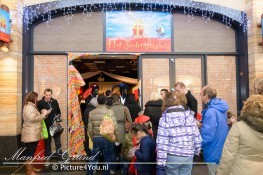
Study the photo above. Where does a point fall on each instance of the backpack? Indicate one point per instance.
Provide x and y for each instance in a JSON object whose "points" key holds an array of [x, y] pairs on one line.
{"points": [[107, 128]]}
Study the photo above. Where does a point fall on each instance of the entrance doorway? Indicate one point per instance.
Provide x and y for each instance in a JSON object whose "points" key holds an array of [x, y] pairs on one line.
{"points": [[108, 70]]}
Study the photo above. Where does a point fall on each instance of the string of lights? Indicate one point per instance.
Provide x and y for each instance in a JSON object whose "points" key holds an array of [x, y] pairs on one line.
{"points": [[88, 7]]}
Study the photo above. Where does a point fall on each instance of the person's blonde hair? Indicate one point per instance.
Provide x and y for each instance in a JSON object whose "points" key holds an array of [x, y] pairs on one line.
{"points": [[174, 99], [253, 103], [259, 85], [155, 96], [181, 84]]}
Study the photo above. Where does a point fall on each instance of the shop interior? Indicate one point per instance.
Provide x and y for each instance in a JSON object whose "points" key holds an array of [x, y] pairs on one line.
{"points": [[108, 71]]}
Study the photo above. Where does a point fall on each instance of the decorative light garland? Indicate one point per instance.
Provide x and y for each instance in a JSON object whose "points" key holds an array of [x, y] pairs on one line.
{"points": [[190, 7]]}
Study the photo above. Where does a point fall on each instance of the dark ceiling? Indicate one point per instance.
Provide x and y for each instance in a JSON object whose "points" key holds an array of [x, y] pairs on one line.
{"points": [[125, 65]]}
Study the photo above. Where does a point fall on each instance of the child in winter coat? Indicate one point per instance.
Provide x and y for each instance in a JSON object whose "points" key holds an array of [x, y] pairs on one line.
{"points": [[231, 119], [146, 151], [127, 145]]}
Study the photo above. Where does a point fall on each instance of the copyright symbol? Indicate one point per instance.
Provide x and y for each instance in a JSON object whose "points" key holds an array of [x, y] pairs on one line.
{"points": [[55, 167]]}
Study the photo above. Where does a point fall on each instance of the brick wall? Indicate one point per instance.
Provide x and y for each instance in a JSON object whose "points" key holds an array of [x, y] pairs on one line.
{"points": [[221, 74], [188, 71], [51, 72], [155, 76]]}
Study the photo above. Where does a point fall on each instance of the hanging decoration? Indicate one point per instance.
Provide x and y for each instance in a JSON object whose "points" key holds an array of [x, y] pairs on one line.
{"points": [[75, 123], [88, 7]]}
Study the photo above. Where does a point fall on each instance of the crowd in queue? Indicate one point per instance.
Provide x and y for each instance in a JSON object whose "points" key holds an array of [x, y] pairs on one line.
{"points": [[166, 137]]}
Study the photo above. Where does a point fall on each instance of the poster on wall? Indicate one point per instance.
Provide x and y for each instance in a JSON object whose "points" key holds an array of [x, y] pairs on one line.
{"points": [[138, 31], [4, 25], [262, 28]]}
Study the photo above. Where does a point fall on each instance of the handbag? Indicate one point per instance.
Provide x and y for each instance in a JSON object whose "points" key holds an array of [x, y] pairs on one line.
{"points": [[57, 118], [44, 129], [55, 129]]}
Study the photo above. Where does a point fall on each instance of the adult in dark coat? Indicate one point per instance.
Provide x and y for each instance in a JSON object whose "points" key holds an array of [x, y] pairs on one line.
{"points": [[132, 105], [191, 100], [123, 93], [153, 109], [90, 93], [47, 102]]}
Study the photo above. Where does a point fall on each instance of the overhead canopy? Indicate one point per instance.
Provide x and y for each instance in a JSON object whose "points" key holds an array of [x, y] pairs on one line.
{"points": [[114, 76]]}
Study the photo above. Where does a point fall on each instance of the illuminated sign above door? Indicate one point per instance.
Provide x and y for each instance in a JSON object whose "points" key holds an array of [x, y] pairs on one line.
{"points": [[138, 31]]}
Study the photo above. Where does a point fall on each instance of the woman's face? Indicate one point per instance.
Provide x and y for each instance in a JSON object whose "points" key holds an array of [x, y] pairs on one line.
{"points": [[36, 100]]}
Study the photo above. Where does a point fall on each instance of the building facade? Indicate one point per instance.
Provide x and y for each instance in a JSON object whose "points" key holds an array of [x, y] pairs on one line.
{"points": [[202, 51]]}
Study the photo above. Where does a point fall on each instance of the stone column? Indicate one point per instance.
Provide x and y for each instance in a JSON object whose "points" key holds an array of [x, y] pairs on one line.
{"points": [[11, 85], [254, 10]]}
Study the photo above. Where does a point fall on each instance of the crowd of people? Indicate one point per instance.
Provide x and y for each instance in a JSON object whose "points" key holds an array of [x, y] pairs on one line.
{"points": [[166, 137]]}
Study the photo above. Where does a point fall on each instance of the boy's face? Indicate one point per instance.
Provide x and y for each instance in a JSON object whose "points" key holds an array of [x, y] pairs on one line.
{"points": [[163, 94], [139, 135], [232, 120]]}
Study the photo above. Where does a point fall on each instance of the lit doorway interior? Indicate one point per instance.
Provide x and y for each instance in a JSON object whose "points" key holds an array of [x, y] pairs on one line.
{"points": [[108, 70]]}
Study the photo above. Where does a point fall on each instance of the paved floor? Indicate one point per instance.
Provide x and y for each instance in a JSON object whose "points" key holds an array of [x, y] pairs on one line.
{"points": [[199, 169]]}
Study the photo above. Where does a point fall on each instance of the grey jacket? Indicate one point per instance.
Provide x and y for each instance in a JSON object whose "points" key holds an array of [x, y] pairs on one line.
{"points": [[122, 114]]}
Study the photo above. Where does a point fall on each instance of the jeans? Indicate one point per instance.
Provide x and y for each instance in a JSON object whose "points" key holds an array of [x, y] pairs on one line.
{"points": [[101, 145], [116, 157], [212, 169], [175, 165]]}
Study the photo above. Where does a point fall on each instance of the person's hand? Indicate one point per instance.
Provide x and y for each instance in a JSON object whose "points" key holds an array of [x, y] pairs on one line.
{"points": [[49, 111], [117, 143], [199, 124], [44, 112]]}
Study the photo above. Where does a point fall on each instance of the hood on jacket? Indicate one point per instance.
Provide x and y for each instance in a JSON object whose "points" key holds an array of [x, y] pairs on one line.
{"points": [[179, 114], [218, 104], [254, 119], [154, 103]]}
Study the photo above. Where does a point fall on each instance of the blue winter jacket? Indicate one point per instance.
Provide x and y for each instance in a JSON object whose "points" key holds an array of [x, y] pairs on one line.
{"points": [[214, 129], [146, 154]]}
